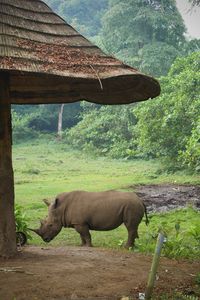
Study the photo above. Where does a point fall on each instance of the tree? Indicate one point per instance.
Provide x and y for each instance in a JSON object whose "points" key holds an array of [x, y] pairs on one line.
{"points": [[153, 31], [84, 15], [169, 125], [60, 121]]}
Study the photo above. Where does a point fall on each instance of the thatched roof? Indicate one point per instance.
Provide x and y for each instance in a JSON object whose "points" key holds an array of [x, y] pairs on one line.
{"points": [[50, 62]]}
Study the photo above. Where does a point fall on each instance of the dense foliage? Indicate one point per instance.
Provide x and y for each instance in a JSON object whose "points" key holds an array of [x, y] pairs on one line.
{"points": [[30, 121], [84, 15], [105, 130], [153, 33], [170, 125]]}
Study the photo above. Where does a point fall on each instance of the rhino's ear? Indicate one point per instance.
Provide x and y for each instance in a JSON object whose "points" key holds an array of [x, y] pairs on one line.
{"points": [[46, 202], [55, 204]]}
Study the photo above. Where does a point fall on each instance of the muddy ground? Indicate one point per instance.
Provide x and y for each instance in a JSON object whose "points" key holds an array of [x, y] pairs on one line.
{"points": [[77, 273], [161, 198]]}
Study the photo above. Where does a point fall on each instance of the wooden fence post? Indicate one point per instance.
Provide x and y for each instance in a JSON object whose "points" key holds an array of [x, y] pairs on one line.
{"points": [[154, 266]]}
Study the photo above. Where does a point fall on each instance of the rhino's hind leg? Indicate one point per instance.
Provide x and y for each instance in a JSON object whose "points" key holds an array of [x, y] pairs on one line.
{"points": [[83, 230], [132, 229], [132, 235], [83, 241]]}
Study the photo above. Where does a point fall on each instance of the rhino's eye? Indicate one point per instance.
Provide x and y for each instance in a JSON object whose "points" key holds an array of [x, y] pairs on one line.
{"points": [[50, 225]]}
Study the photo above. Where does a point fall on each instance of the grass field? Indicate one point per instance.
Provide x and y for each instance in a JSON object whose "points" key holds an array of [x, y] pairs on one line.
{"points": [[45, 168]]}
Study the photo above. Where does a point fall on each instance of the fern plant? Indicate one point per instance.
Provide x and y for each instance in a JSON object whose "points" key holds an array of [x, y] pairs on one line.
{"points": [[21, 221]]}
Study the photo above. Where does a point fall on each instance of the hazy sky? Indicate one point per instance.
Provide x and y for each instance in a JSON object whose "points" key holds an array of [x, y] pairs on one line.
{"points": [[191, 17]]}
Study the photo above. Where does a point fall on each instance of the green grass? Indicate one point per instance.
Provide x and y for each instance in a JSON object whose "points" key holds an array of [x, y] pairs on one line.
{"points": [[45, 168], [182, 231]]}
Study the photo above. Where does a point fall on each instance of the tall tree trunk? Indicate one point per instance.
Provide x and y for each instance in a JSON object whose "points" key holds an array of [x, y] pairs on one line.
{"points": [[7, 219], [60, 119]]}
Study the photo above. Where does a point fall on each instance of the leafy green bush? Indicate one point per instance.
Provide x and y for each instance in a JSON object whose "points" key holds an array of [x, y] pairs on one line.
{"points": [[105, 131], [191, 155], [21, 221], [21, 131]]}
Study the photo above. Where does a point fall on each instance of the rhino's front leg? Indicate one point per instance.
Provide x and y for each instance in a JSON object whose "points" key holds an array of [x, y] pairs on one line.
{"points": [[83, 230]]}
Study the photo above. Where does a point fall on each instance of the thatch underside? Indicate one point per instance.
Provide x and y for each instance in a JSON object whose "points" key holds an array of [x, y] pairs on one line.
{"points": [[50, 62], [34, 88]]}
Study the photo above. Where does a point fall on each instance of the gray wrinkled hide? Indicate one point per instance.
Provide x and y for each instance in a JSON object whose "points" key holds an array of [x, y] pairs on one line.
{"points": [[86, 211]]}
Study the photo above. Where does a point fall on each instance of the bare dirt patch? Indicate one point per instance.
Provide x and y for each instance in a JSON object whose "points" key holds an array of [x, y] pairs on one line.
{"points": [[93, 273], [81, 273]]}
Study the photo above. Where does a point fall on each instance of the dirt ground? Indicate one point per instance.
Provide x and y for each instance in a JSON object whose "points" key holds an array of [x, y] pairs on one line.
{"points": [[161, 198], [77, 273]]}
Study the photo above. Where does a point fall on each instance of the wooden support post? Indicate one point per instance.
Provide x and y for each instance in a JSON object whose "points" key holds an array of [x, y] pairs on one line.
{"points": [[154, 266], [7, 219]]}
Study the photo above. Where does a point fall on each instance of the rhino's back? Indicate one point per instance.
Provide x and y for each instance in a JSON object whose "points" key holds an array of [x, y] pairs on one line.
{"points": [[101, 200], [101, 210]]}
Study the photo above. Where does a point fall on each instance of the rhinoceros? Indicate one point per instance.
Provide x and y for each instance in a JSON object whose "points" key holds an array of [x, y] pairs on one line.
{"points": [[85, 211]]}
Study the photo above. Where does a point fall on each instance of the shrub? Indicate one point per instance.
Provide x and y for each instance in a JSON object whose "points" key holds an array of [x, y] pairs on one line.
{"points": [[105, 131], [21, 131], [21, 221]]}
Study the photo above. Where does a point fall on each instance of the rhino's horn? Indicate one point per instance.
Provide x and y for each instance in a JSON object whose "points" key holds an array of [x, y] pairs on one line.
{"points": [[35, 230], [46, 202]]}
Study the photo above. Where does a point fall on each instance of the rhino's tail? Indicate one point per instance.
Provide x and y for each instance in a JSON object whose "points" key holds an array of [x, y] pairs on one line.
{"points": [[145, 211]]}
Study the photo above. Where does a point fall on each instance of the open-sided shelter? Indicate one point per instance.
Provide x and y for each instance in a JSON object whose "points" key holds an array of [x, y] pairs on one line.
{"points": [[44, 60]]}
